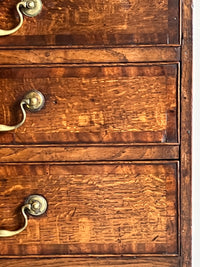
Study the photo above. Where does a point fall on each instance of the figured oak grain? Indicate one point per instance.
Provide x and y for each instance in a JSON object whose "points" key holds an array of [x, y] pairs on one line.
{"points": [[47, 153], [93, 104], [155, 22], [89, 55], [94, 23], [94, 209], [186, 137], [95, 262]]}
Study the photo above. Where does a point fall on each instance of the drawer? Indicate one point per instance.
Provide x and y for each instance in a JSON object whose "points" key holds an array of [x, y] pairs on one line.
{"points": [[93, 209], [110, 104], [94, 23]]}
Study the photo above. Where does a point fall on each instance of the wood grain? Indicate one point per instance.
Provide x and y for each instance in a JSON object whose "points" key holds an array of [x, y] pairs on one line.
{"points": [[47, 153], [73, 52], [93, 104], [186, 137], [94, 23], [89, 55], [111, 262], [127, 208]]}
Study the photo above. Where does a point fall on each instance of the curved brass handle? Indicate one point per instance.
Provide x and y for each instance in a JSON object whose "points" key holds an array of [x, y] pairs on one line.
{"points": [[30, 8], [34, 101], [35, 205]]}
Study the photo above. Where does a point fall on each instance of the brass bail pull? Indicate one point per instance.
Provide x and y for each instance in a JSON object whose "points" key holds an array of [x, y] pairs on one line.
{"points": [[34, 101], [35, 205], [30, 8]]}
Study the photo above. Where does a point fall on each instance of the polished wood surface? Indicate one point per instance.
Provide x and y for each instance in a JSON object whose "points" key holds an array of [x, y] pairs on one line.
{"points": [[56, 153], [111, 150], [90, 55], [95, 23], [186, 137], [92, 208], [93, 104], [104, 262]]}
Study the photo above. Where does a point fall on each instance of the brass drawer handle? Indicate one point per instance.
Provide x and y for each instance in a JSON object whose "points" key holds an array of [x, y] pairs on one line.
{"points": [[34, 101], [35, 205], [30, 8]]}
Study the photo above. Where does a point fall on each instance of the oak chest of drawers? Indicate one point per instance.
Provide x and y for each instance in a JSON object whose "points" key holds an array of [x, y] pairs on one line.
{"points": [[110, 149]]}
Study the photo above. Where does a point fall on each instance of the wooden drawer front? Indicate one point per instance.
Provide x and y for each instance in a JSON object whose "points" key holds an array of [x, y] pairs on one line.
{"points": [[128, 208], [95, 23], [96, 104]]}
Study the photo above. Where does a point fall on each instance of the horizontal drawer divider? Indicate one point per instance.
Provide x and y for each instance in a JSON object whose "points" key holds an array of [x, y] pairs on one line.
{"points": [[92, 153], [89, 55]]}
